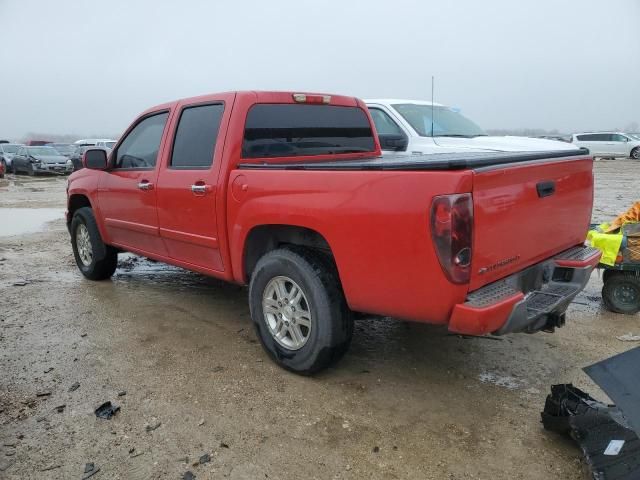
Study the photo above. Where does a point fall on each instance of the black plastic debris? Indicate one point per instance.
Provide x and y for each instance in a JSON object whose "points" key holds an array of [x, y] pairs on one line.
{"points": [[609, 444], [619, 377], [206, 458], [106, 410], [188, 476], [90, 470], [74, 387]]}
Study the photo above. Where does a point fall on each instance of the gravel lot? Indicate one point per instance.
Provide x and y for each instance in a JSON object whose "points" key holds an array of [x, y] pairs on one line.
{"points": [[407, 401]]}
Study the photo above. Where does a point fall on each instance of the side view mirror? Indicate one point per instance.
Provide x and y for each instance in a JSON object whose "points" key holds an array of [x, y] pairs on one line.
{"points": [[95, 159], [394, 142]]}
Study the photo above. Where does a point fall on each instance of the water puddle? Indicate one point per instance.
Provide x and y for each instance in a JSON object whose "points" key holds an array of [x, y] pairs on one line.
{"points": [[18, 221]]}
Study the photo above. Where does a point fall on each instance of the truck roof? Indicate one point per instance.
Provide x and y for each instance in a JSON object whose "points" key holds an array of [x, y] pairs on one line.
{"points": [[260, 96]]}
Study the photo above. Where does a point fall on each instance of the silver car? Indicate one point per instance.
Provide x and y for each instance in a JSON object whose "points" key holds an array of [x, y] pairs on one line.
{"points": [[35, 160], [7, 151]]}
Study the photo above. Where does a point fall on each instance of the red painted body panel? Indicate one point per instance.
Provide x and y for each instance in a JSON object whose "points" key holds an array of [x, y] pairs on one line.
{"points": [[512, 224], [481, 321], [375, 222]]}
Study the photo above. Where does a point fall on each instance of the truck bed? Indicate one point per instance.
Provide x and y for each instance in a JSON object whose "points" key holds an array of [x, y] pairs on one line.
{"points": [[438, 161]]}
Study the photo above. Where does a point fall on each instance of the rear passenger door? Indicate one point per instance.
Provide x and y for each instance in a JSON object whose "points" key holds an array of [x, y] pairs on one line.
{"points": [[188, 184]]}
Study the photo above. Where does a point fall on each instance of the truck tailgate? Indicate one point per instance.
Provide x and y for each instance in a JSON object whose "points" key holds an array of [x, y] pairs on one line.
{"points": [[524, 213]]}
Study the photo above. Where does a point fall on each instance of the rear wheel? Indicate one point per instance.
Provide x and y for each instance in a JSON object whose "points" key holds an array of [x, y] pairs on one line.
{"points": [[621, 292], [299, 311], [95, 259], [635, 153]]}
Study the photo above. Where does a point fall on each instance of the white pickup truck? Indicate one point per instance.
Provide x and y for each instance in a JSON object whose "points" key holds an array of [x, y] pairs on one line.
{"points": [[405, 126]]}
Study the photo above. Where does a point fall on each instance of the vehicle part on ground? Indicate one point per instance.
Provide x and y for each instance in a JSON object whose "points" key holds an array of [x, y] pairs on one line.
{"points": [[299, 310], [618, 377], [610, 446], [95, 260]]}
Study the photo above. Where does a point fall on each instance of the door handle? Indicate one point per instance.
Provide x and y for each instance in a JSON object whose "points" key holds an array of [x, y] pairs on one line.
{"points": [[546, 189], [145, 185], [200, 189]]}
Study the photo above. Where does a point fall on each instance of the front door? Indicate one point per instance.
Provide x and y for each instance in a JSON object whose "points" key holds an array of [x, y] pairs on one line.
{"points": [[187, 184], [127, 193]]}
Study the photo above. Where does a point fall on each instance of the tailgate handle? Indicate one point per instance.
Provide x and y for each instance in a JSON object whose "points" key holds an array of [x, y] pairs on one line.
{"points": [[546, 189]]}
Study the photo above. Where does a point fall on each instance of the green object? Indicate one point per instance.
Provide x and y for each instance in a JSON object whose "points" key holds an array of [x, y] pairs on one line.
{"points": [[607, 243]]}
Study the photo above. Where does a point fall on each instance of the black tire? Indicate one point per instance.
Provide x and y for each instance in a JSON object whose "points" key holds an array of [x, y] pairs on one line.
{"points": [[104, 259], [331, 322], [621, 292], [635, 153]]}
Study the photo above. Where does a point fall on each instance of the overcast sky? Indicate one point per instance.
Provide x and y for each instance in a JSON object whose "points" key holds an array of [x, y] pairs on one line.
{"points": [[90, 66]]}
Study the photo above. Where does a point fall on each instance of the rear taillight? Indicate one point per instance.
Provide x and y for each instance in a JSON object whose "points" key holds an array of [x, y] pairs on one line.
{"points": [[451, 230]]}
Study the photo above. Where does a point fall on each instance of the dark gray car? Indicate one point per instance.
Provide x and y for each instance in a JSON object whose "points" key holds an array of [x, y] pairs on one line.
{"points": [[35, 160]]}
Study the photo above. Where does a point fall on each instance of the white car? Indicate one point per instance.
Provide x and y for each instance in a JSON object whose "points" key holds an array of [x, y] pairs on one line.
{"points": [[609, 144], [405, 126], [97, 142]]}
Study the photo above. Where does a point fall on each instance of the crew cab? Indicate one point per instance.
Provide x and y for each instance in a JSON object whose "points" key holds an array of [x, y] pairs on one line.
{"points": [[417, 127], [289, 193]]}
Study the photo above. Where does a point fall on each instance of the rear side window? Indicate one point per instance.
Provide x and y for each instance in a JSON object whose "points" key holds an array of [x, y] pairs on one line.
{"points": [[285, 130], [196, 136], [140, 148]]}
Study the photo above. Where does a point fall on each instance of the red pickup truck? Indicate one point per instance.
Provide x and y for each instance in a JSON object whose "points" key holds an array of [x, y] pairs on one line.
{"points": [[287, 192]]}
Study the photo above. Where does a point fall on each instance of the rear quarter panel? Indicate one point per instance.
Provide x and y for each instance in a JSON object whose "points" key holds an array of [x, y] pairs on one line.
{"points": [[376, 223]]}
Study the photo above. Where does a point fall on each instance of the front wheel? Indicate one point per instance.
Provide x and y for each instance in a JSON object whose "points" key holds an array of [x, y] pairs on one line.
{"points": [[95, 259], [635, 153], [621, 292], [299, 311]]}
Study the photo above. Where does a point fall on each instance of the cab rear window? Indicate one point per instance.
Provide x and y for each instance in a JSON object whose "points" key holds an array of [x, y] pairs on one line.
{"points": [[283, 130]]}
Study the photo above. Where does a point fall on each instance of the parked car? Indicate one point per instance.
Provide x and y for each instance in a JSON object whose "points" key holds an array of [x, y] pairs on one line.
{"points": [[78, 151], [288, 192], [98, 142], [65, 149], [7, 151], [37, 143], [41, 159], [406, 127], [609, 144], [3, 169]]}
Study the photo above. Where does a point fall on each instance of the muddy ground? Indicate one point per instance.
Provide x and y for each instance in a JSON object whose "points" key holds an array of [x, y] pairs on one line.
{"points": [[407, 401]]}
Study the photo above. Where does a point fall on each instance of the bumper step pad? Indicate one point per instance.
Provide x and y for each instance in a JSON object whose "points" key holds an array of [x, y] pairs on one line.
{"points": [[544, 300], [577, 254]]}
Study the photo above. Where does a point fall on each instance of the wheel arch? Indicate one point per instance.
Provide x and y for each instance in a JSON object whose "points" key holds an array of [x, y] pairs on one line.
{"points": [[77, 201], [262, 239]]}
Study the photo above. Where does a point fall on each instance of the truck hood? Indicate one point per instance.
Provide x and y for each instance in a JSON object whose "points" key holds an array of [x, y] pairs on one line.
{"points": [[504, 144]]}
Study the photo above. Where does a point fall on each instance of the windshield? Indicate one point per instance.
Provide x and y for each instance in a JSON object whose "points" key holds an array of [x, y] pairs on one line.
{"points": [[44, 151], [10, 148], [446, 122], [64, 148]]}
